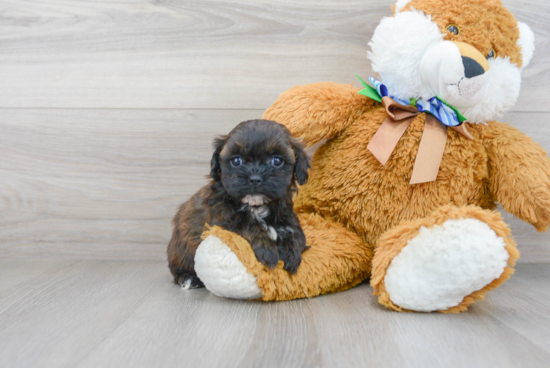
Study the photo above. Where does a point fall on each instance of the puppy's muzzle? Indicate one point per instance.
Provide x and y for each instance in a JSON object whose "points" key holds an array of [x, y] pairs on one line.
{"points": [[255, 180]]}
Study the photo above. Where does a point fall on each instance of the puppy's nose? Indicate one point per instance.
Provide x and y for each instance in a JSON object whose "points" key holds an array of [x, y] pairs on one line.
{"points": [[471, 67], [255, 179]]}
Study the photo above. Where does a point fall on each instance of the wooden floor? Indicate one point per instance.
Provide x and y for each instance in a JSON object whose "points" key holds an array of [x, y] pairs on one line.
{"points": [[107, 114], [91, 313]]}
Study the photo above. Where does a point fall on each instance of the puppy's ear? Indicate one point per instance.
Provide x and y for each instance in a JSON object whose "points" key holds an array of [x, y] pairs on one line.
{"points": [[301, 165], [215, 167]]}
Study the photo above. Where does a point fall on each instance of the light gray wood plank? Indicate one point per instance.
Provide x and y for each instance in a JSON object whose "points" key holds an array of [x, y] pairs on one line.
{"points": [[101, 183], [129, 314], [534, 86], [11, 275], [31, 275], [54, 320], [106, 183], [522, 304], [207, 54], [199, 329]]}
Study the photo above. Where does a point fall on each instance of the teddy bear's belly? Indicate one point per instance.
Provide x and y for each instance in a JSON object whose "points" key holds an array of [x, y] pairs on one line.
{"points": [[349, 185]]}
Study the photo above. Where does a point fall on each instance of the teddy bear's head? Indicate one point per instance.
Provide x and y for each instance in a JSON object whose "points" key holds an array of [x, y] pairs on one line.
{"points": [[469, 53]]}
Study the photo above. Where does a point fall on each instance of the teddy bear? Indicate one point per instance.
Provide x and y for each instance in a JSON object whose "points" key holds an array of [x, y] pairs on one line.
{"points": [[404, 184]]}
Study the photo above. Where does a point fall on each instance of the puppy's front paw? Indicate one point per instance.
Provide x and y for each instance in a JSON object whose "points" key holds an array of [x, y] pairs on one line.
{"points": [[189, 281], [269, 256], [290, 252], [292, 262]]}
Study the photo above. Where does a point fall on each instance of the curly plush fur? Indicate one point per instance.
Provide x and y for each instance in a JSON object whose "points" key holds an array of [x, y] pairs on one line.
{"points": [[348, 185], [360, 216]]}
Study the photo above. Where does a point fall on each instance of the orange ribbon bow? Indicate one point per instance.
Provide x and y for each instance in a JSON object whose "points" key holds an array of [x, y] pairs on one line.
{"points": [[432, 143]]}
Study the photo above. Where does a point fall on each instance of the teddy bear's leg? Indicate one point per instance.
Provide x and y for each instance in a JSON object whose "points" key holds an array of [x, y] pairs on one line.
{"points": [[444, 262], [337, 260]]}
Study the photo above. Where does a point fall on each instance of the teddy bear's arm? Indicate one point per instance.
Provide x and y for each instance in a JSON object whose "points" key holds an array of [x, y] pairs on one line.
{"points": [[519, 171], [318, 111]]}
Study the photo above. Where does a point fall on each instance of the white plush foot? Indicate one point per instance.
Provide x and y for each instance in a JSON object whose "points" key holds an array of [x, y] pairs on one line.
{"points": [[222, 273], [443, 264]]}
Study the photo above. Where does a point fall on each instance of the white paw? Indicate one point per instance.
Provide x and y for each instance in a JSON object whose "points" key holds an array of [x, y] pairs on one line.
{"points": [[222, 273], [443, 264], [186, 284]]}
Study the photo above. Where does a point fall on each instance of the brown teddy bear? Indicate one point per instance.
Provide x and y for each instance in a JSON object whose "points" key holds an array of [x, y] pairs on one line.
{"points": [[403, 190]]}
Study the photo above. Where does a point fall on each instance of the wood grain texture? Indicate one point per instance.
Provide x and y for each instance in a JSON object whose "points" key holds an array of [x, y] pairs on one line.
{"points": [[101, 183], [129, 314], [58, 315], [90, 183], [202, 54]]}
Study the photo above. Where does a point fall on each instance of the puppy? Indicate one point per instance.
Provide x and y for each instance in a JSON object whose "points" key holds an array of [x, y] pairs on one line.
{"points": [[253, 171]]}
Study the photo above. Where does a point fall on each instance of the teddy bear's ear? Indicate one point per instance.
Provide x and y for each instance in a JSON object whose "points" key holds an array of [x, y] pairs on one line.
{"points": [[527, 43], [400, 4]]}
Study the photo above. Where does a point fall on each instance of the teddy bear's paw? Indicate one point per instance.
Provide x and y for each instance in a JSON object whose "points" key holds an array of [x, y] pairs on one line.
{"points": [[442, 265], [222, 272]]}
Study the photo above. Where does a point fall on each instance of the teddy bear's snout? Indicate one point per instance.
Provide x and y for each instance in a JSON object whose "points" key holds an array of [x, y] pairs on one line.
{"points": [[474, 62], [456, 72]]}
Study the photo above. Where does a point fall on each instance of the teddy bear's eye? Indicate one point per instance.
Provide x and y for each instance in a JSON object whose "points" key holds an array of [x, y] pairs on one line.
{"points": [[453, 28], [491, 54]]}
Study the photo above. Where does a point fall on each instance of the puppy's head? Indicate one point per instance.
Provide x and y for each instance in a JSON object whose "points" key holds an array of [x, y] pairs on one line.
{"points": [[258, 161]]}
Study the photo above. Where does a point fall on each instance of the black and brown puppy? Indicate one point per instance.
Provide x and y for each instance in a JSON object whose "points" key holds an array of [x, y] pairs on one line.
{"points": [[253, 170]]}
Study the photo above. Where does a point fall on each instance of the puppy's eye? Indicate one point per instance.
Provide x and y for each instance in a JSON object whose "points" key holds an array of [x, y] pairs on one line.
{"points": [[491, 54], [453, 28], [236, 161], [277, 161]]}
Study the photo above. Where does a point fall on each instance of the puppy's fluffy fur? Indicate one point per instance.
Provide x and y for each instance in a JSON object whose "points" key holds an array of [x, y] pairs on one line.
{"points": [[253, 173]]}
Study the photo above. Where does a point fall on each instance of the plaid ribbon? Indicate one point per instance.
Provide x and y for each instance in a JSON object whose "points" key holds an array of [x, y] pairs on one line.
{"points": [[445, 113]]}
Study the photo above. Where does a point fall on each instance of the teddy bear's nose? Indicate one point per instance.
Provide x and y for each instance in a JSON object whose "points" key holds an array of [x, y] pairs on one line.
{"points": [[471, 67], [474, 62]]}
